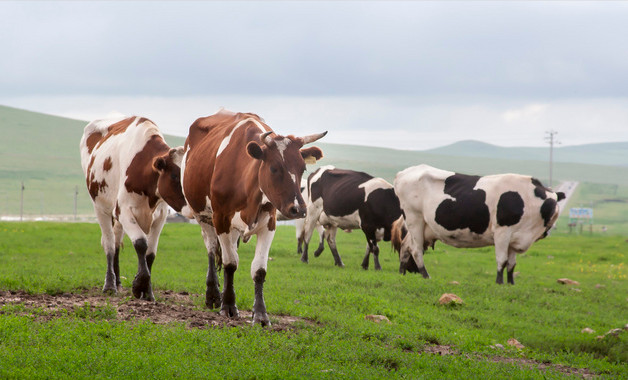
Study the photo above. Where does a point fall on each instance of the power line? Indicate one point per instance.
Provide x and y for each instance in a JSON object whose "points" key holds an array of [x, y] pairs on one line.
{"points": [[551, 139]]}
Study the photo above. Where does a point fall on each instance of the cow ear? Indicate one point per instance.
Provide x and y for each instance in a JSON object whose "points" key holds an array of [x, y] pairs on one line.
{"points": [[311, 154], [176, 155], [255, 151], [159, 163], [560, 195]]}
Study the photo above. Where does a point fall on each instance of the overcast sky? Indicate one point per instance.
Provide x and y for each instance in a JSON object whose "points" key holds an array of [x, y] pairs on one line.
{"points": [[407, 75]]}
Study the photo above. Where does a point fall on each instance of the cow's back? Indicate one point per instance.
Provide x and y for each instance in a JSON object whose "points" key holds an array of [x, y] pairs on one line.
{"points": [[340, 191], [108, 148]]}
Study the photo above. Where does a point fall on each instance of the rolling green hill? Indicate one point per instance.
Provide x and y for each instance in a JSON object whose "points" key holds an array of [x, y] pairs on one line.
{"points": [[610, 154], [42, 151]]}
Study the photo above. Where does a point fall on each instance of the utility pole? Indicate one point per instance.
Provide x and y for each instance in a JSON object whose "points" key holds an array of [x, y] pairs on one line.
{"points": [[550, 137]]}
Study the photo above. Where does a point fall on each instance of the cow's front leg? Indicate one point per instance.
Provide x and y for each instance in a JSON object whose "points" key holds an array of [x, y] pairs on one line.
{"points": [[141, 282], [258, 273], [376, 257], [228, 243], [365, 261], [212, 290]]}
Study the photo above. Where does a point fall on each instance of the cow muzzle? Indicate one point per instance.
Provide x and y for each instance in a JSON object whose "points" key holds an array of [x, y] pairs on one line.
{"points": [[295, 211]]}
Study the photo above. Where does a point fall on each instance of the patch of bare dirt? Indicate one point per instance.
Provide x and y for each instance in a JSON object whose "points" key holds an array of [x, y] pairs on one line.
{"points": [[169, 307]]}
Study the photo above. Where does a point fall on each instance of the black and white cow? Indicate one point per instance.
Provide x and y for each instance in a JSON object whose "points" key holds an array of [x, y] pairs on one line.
{"points": [[509, 211], [349, 200]]}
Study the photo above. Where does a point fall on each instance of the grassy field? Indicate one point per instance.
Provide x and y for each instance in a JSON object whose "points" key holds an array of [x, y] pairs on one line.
{"points": [[333, 340]]}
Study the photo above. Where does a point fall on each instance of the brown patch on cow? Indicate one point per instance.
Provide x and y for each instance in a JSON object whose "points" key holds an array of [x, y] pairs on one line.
{"points": [[142, 120], [117, 211], [93, 186], [141, 178], [107, 165], [116, 129], [92, 140], [171, 307]]}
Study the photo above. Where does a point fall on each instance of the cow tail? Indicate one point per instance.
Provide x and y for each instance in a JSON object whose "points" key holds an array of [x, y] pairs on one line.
{"points": [[397, 234]]}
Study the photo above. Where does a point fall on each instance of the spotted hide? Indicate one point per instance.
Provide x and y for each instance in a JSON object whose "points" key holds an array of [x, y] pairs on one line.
{"points": [[349, 200], [237, 172], [509, 211], [132, 176]]}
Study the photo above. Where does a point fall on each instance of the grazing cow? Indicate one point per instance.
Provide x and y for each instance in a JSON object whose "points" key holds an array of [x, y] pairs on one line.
{"points": [[236, 173], [349, 200], [509, 211], [132, 176]]}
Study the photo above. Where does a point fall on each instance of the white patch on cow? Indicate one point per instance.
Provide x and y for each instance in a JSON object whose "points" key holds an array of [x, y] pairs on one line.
{"points": [[238, 223], [264, 197], [374, 184], [282, 145], [319, 173], [259, 125], [346, 222], [294, 178], [225, 142], [187, 212], [379, 234]]}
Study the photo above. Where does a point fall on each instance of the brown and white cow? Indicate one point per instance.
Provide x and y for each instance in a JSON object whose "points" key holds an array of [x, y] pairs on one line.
{"points": [[132, 176], [236, 173], [509, 211]]}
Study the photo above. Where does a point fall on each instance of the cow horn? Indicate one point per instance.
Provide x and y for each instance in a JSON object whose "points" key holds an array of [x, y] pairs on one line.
{"points": [[265, 139], [312, 138]]}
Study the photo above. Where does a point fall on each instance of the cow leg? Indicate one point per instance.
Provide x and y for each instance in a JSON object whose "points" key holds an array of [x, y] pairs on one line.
{"points": [[141, 282], [416, 229], [212, 289], [365, 261], [258, 273], [321, 241], [512, 262], [107, 241], [159, 219], [376, 257], [331, 241], [119, 234], [228, 244], [502, 241], [311, 217]]}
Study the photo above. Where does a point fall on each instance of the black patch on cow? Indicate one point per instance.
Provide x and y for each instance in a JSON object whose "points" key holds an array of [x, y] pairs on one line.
{"points": [[539, 189], [509, 209], [547, 210], [468, 208], [381, 210], [340, 191]]}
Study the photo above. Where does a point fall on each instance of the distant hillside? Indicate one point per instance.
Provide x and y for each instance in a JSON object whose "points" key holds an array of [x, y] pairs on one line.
{"points": [[42, 150], [611, 154]]}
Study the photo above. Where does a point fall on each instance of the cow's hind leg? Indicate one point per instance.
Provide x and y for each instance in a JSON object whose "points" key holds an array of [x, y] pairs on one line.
{"points": [[321, 241], [151, 248], [502, 241], [141, 282], [119, 234], [365, 261], [108, 243], [331, 241], [228, 244], [212, 290], [512, 262]]}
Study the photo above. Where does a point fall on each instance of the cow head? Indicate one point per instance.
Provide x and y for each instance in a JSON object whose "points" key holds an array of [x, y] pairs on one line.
{"points": [[169, 189], [282, 165]]}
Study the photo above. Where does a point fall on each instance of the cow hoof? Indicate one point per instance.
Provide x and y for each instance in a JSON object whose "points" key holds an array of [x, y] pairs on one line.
{"points": [[378, 268], [230, 311], [318, 252], [109, 290], [148, 296], [212, 301], [262, 319], [304, 260]]}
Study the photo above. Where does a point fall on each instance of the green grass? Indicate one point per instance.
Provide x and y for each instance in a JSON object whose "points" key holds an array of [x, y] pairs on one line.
{"points": [[543, 315]]}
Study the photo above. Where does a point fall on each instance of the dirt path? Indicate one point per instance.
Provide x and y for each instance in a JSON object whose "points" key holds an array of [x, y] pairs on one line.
{"points": [[170, 307]]}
